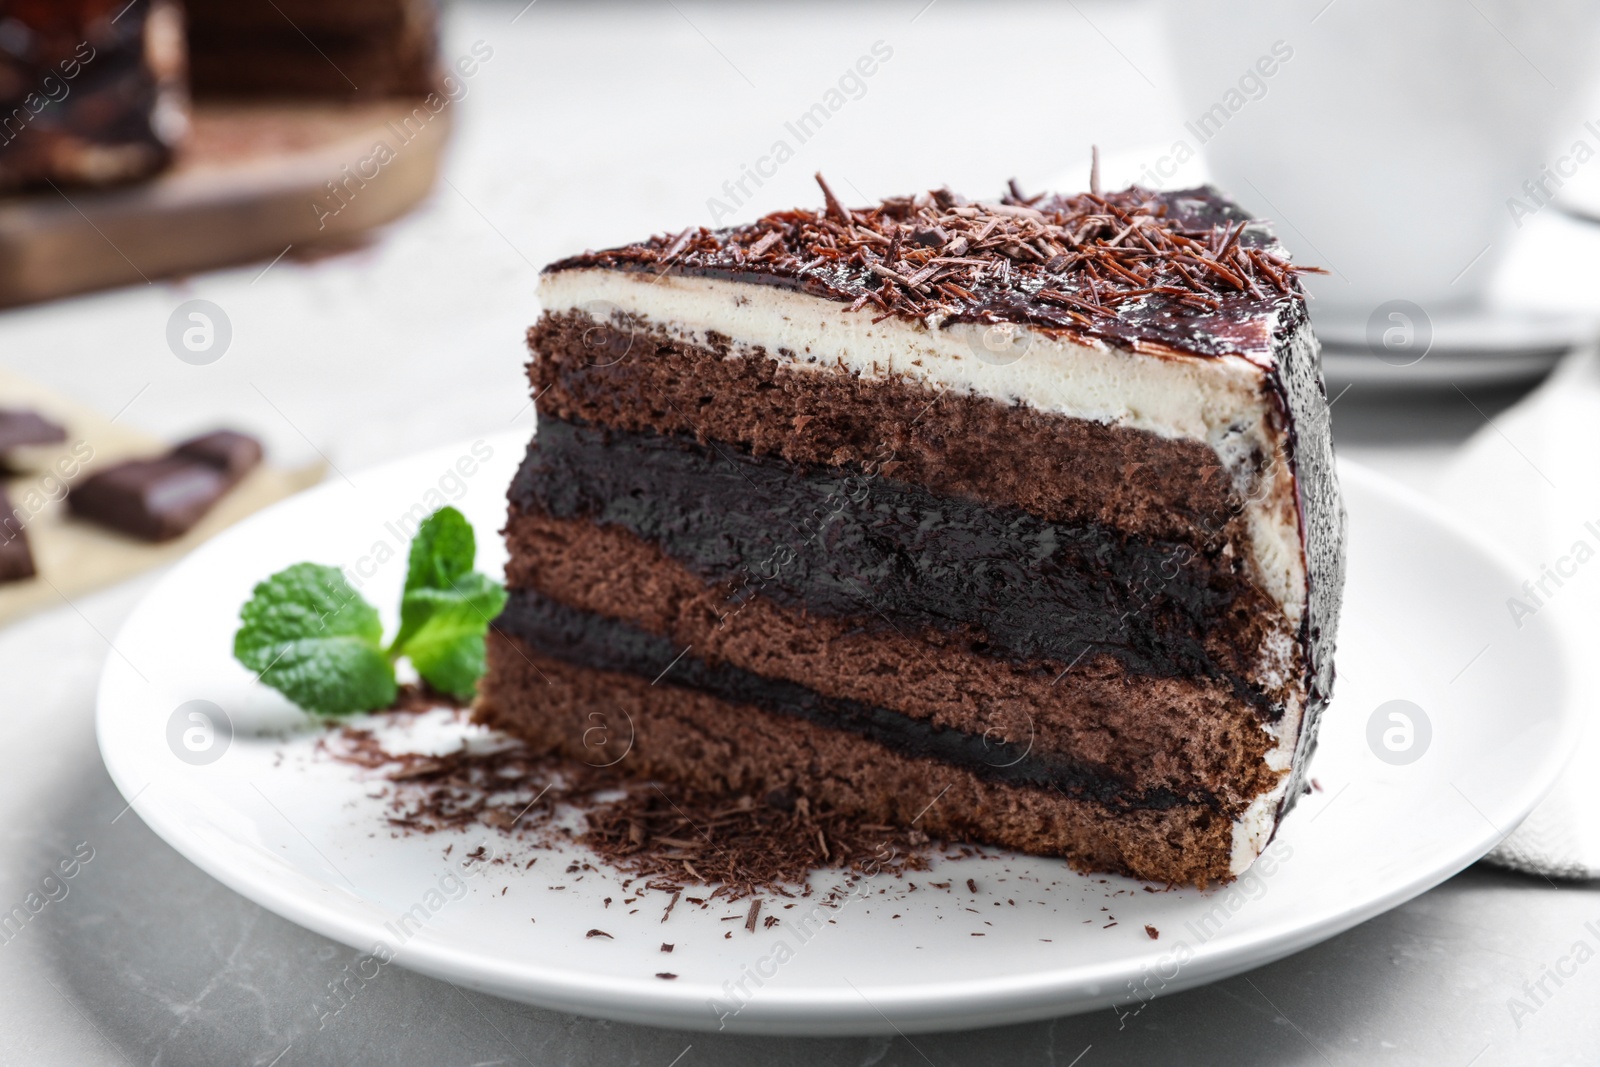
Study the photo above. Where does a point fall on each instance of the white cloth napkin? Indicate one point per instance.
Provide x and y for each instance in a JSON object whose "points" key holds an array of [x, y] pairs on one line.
{"points": [[1530, 480]]}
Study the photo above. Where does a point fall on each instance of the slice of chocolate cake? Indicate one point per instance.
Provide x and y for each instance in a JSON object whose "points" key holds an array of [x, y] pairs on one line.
{"points": [[1017, 522], [353, 49], [91, 91]]}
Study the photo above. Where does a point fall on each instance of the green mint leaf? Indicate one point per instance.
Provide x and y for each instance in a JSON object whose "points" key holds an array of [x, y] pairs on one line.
{"points": [[308, 634], [442, 550], [441, 553], [447, 606], [446, 647]]}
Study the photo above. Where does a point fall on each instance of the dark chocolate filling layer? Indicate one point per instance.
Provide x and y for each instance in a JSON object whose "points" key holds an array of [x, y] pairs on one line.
{"points": [[593, 641], [850, 544]]}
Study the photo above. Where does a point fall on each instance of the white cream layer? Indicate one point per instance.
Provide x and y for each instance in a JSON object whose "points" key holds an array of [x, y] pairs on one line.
{"points": [[1218, 400]]}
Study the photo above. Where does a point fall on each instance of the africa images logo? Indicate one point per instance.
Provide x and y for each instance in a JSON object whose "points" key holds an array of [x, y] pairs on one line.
{"points": [[1399, 732], [199, 732], [199, 332]]}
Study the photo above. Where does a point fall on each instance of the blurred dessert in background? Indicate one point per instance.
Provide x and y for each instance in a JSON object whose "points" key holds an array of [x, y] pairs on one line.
{"points": [[310, 123], [362, 49], [92, 92]]}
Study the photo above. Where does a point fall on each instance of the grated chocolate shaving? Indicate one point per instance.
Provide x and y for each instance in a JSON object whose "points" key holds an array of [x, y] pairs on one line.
{"points": [[1185, 269], [664, 836]]}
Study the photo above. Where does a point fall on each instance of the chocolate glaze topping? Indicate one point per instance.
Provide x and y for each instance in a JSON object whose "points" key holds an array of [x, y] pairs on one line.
{"points": [[1188, 271]]}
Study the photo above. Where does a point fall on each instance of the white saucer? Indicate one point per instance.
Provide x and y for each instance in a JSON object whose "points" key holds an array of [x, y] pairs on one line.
{"points": [[1462, 347], [1425, 621]]}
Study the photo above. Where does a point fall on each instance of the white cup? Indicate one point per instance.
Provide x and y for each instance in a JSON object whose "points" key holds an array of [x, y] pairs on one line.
{"points": [[1391, 138]]}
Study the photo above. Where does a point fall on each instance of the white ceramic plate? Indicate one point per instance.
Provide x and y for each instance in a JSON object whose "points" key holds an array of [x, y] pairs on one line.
{"points": [[1425, 621]]}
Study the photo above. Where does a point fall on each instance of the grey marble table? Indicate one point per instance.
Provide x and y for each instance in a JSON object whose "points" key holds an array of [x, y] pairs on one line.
{"points": [[590, 125]]}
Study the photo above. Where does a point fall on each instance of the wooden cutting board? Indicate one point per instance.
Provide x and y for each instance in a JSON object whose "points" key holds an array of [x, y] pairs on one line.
{"points": [[252, 181]]}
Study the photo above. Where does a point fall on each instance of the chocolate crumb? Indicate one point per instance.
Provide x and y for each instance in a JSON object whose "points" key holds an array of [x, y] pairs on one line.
{"points": [[972, 886], [599, 933], [666, 947], [1152, 931], [755, 911], [668, 975]]}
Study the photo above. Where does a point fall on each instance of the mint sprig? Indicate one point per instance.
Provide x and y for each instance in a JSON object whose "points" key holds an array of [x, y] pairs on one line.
{"points": [[309, 634]]}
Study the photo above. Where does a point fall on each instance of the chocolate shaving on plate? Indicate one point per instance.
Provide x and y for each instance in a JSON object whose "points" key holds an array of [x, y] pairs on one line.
{"points": [[668, 837]]}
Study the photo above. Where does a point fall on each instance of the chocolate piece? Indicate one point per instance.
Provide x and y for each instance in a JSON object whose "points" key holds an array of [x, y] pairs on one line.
{"points": [[234, 454], [152, 499], [16, 558], [91, 91], [20, 427]]}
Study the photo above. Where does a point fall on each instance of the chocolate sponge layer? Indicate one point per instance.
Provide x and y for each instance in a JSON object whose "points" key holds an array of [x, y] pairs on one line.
{"points": [[1188, 736], [689, 736]]}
